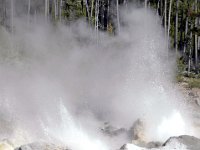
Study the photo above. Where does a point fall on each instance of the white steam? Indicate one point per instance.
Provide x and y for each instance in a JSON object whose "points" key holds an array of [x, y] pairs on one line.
{"points": [[121, 79], [173, 125]]}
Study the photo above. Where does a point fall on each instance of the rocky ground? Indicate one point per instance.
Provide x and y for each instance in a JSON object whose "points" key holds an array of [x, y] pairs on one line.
{"points": [[184, 142]]}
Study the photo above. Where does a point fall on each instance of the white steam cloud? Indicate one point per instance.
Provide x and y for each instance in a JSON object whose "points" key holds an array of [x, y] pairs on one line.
{"points": [[59, 80]]}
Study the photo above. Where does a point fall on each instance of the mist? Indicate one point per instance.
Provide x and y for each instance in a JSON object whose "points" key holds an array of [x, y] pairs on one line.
{"points": [[58, 83]]}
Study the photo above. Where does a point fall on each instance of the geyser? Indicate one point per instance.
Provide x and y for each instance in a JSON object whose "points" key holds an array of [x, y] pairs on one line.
{"points": [[58, 80]]}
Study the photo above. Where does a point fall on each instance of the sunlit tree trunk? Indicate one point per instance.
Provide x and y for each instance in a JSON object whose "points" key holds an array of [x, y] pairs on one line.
{"points": [[165, 19], [169, 21], [92, 7], [55, 9], [46, 9]]}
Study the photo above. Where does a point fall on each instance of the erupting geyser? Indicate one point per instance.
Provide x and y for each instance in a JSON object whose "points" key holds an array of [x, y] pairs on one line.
{"points": [[57, 84]]}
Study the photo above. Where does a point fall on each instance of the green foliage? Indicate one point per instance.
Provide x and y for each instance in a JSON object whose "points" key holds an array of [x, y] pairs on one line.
{"points": [[194, 83], [180, 65], [73, 10], [179, 78]]}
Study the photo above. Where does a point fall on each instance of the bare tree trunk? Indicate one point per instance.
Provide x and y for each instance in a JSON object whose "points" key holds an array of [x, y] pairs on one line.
{"points": [[35, 17], [165, 19], [158, 7], [196, 37], [190, 53], [29, 9], [125, 3], [46, 9], [161, 7], [12, 16], [92, 7], [55, 9], [186, 31], [87, 10], [145, 3], [118, 22], [169, 21], [97, 19], [108, 14], [176, 34], [61, 4]]}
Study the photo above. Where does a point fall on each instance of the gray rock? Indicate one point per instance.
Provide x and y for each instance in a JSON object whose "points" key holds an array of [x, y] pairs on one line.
{"points": [[192, 143], [153, 145], [112, 131], [137, 131], [40, 146], [178, 143]]}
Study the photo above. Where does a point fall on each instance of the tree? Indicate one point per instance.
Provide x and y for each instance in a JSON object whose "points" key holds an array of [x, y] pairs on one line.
{"points": [[165, 19], [176, 34], [118, 21], [196, 37], [169, 20], [12, 16]]}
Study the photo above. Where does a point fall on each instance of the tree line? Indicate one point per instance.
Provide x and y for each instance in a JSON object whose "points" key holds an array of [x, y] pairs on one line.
{"points": [[180, 19], [101, 14]]}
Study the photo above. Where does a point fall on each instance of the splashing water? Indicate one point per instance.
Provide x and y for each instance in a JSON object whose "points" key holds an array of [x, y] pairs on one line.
{"points": [[70, 132], [173, 125]]}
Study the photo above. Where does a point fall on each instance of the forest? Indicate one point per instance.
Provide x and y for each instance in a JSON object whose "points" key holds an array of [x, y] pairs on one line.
{"points": [[180, 20]]}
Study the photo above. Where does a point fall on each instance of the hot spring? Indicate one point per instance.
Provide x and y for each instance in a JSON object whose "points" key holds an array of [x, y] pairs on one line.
{"points": [[58, 84]]}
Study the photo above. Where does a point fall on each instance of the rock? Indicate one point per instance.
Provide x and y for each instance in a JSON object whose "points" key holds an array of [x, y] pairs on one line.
{"points": [[183, 142], [41, 146], [137, 131], [131, 147], [191, 94], [192, 143], [153, 145], [112, 131]]}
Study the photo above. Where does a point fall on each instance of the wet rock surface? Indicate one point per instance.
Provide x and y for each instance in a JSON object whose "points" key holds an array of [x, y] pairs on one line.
{"points": [[41, 146], [111, 130], [183, 142], [191, 142]]}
